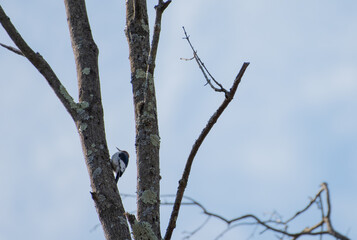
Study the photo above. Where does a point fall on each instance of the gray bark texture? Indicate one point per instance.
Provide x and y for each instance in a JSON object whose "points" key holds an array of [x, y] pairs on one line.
{"points": [[90, 124], [142, 58]]}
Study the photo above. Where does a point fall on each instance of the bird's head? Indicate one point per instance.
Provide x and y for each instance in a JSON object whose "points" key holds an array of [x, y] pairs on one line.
{"points": [[125, 152]]}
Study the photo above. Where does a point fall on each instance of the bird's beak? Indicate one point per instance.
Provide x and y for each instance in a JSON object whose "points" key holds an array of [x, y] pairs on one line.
{"points": [[119, 150]]}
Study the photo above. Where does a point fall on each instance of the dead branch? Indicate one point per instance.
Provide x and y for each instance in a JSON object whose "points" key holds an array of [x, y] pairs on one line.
{"points": [[312, 201], [40, 64], [142, 58], [208, 76], [12, 49], [105, 193], [213, 119], [190, 234], [250, 219], [160, 8], [281, 226]]}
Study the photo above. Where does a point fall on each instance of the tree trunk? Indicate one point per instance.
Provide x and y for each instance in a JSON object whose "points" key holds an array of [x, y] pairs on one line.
{"points": [[147, 134], [90, 124]]}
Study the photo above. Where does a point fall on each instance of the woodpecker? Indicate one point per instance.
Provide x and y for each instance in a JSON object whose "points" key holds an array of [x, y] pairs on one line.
{"points": [[119, 162]]}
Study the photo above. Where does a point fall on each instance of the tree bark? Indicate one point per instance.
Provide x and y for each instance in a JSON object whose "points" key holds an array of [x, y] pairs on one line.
{"points": [[147, 132], [90, 124]]}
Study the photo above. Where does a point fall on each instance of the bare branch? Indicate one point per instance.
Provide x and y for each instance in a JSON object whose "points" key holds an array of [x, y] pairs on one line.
{"points": [[203, 68], [40, 64], [312, 201], [105, 193], [12, 49], [142, 57], [187, 59], [230, 227], [190, 234], [268, 224], [327, 218], [195, 147], [320, 205], [160, 8]]}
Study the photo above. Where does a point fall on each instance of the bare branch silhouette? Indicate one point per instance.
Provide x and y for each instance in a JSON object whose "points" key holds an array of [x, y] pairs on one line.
{"points": [[276, 225], [213, 119], [208, 76], [183, 182]]}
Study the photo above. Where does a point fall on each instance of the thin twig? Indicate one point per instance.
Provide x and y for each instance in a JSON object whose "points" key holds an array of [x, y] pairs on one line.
{"points": [[312, 201], [230, 227], [12, 49], [190, 234], [206, 73]]}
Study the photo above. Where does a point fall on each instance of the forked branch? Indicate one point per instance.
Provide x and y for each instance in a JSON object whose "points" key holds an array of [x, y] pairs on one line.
{"points": [[213, 119], [12, 49], [275, 224], [208, 76]]}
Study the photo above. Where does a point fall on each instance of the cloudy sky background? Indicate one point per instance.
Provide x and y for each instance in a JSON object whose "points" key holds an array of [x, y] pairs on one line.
{"points": [[291, 126]]}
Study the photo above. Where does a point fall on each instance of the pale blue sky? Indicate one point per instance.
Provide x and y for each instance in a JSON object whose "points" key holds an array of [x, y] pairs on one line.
{"points": [[291, 126]]}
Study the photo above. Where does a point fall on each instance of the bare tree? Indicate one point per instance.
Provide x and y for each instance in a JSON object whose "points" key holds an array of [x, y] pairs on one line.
{"points": [[87, 115]]}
